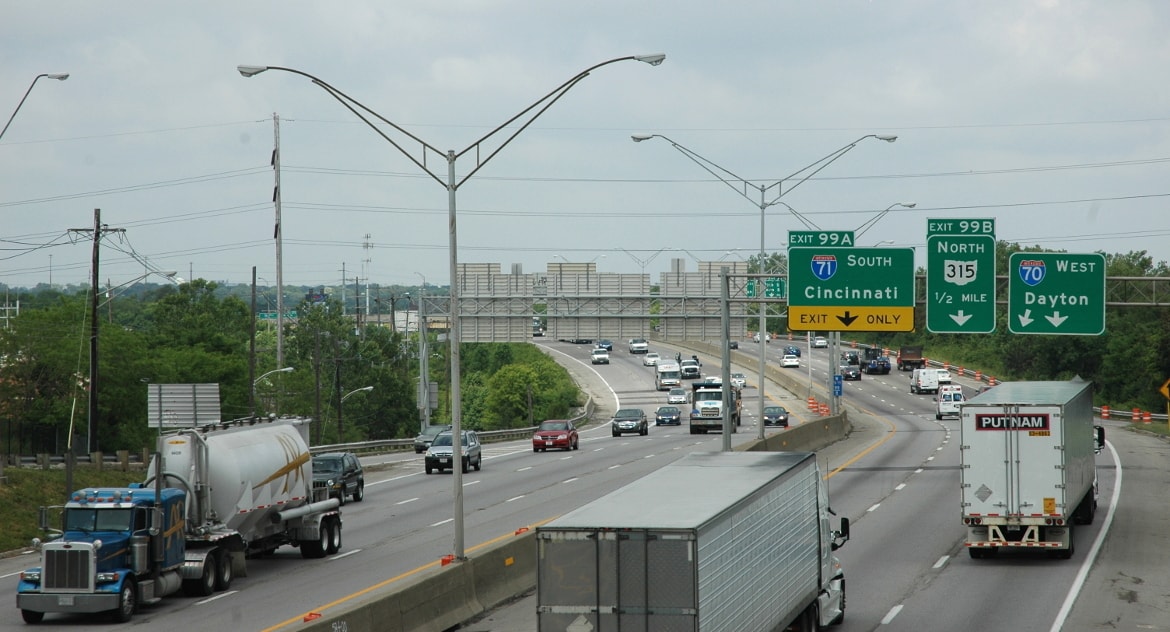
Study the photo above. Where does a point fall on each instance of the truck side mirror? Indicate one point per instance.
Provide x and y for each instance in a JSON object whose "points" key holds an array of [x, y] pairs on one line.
{"points": [[1100, 430], [43, 518], [842, 535]]}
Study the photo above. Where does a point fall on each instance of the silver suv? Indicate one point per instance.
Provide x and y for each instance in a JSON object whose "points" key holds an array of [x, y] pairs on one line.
{"points": [[439, 455]]}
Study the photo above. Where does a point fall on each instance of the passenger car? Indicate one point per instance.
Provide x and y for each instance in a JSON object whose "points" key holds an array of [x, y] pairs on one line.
{"points": [[555, 433], [792, 350], [668, 416], [789, 360], [677, 396], [650, 359], [944, 376], [756, 337], [850, 357], [424, 438], [441, 452], [605, 344], [629, 420], [599, 356], [732, 344], [639, 345], [850, 372], [820, 342], [739, 380], [775, 416], [342, 473]]}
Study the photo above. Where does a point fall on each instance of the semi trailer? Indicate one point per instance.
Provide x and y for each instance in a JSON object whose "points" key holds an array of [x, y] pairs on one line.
{"points": [[1028, 471], [714, 542]]}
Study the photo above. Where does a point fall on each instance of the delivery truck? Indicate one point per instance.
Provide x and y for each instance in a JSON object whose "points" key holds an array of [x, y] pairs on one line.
{"points": [[707, 407], [213, 496], [1028, 471], [714, 542]]}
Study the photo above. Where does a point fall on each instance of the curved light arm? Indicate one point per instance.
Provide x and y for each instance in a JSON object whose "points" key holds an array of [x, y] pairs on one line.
{"points": [[533, 112], [58, 76], [364, 389], [875, 219], [287, 369], [741, 185], [807, 223]]}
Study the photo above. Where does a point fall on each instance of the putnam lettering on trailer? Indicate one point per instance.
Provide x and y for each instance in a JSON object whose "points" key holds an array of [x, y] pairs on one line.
{"points": [[1012, 422]]}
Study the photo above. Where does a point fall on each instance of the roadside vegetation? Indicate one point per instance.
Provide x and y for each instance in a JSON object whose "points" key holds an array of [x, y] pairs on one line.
{"points": [[25, 490]]}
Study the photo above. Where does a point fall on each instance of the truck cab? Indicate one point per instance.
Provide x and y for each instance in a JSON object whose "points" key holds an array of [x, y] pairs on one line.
{"points": [[101, 557], [707, 407]]}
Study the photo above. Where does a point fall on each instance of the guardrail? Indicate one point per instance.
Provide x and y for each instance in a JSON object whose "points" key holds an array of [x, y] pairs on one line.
{"points": [[125, 458]]}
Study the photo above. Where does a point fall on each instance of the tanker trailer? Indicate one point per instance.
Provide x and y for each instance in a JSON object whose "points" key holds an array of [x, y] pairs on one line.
{"points": [[249, 487]]}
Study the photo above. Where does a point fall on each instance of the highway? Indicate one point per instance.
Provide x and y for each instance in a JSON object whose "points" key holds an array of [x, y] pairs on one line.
{"points": [[896, 478]]}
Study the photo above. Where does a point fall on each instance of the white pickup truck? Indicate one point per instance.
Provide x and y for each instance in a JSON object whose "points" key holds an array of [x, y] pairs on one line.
{"points": [[599, 356], [638, 345]]}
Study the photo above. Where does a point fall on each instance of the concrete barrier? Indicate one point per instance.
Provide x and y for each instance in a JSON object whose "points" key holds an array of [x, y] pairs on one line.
{"points": [[440, 598]]}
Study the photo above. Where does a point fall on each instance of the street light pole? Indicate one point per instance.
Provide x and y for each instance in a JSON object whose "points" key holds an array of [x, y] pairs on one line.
{"points": [[869, 224], [58, 76], [452, 183], [742, 186]]}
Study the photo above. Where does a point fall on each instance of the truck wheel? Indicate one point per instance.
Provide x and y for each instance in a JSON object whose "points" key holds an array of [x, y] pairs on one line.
{"points": [[204, 585], [360, 493], [341, 498], [127, 601], [223, 576], [32, 616], [314, 549], [334, 528], [841, 616]]}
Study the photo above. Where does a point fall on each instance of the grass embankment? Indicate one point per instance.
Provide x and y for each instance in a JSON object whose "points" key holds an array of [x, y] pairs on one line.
{"points": [[27, 489]]}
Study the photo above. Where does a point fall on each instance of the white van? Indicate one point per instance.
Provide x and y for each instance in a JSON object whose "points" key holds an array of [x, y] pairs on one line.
{"points": [[947, 401], [924, 381]]}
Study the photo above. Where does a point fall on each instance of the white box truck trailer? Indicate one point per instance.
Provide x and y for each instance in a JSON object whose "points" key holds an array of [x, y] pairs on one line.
{"points": [[1028, 469], [714, 542]]}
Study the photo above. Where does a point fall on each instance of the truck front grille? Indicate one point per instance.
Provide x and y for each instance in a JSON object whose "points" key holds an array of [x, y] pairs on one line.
{"points": [[68, 569]]}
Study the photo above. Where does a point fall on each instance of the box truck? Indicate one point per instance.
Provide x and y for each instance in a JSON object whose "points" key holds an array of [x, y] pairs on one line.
{"points": [[714, 542], [1028, 470]]}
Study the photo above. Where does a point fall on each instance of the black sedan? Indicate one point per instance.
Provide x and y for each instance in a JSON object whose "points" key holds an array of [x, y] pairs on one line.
{"points": [[775, 416], [850, 372], [668, 416]]}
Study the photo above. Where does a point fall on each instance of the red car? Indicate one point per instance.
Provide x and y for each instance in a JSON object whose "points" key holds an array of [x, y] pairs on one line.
{"points": [[555, 433]]}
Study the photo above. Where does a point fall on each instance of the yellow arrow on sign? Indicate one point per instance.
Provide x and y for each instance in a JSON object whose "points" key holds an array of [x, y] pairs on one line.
{"points": [[1165, 390], [808, 318]]}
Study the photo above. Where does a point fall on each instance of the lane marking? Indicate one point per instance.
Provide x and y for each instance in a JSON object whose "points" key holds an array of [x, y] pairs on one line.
{"points": [[873, 508], [891, 614], [219, 596], [941, 561], [515, 498], [403, 502], [341, 555], [900, 487]]}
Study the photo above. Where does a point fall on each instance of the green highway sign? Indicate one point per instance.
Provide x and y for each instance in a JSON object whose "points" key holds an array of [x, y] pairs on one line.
{"points": [[773, 287], [850, 289], [960, 278], [272, 315], [820, 238], [975, 226], [1056, 293]]}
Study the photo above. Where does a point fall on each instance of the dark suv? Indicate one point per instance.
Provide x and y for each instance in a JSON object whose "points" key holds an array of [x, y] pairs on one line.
{"points": [[629, 420], [342, 473]]}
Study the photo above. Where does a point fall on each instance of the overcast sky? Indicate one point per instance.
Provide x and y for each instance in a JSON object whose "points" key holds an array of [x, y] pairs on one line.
{"points": [[1053, 117]]}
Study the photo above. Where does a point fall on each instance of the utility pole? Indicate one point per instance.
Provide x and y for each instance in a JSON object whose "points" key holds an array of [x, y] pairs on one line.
{"points": [[252, 351], [91, 441], [278, 236]]}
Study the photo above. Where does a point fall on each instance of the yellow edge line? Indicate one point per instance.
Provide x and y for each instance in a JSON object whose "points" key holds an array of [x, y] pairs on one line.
{"points": [[866, 451], [387, 582]]}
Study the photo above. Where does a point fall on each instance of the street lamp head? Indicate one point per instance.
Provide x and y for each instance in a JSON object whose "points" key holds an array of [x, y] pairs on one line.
{"points": [[59, 76], [251, 71], [653, 60], [889, 138], [910, 205], [637, 138]]}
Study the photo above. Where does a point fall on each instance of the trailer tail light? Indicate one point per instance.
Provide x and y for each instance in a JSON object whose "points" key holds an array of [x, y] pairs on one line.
{"points": [[972, 520]]}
